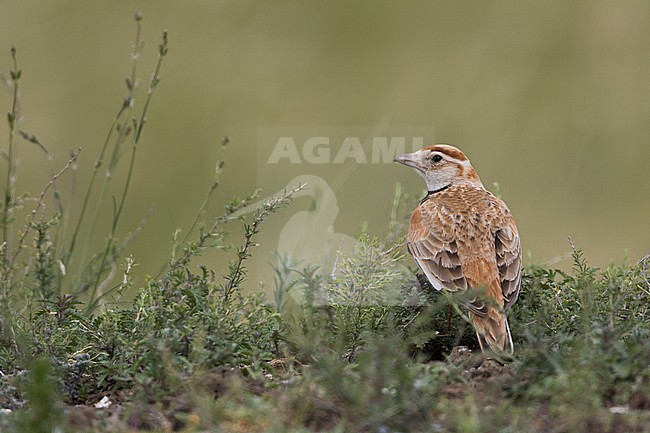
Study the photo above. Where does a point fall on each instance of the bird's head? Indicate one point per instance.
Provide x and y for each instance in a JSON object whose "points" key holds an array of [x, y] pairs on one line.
{"points": [[441, 166]]}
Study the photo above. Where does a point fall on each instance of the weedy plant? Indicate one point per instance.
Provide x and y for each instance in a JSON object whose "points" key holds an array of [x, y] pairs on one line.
{"points": [[371, 295], [586, 336], [177, 321], [54, 261]]}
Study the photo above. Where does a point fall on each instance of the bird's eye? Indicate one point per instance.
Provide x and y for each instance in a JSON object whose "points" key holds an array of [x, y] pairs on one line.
{"points": [[436, 158]]}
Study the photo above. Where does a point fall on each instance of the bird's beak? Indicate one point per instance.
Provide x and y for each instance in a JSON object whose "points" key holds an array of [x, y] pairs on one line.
{"points": [[409, 159]]}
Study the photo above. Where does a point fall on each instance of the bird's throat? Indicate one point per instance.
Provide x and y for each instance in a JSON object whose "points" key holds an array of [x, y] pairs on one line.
{"points": [[430, 193]]}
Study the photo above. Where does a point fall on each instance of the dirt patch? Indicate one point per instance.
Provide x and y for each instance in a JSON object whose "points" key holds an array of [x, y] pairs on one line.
{"points": [[475, 379]]}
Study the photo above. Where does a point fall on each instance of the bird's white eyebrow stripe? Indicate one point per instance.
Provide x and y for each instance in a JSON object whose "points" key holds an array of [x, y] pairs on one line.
{"points": [[466, 163]]}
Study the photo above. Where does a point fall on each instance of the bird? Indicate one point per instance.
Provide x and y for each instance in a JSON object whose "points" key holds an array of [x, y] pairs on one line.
{"points": [[465, 240]]}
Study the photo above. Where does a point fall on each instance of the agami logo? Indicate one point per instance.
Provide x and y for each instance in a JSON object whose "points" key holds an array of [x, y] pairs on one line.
{"points": [[327, 150]]}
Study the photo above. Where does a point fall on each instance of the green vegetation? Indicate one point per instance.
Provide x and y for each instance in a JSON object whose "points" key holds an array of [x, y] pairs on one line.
{"points": [[368, 349]]}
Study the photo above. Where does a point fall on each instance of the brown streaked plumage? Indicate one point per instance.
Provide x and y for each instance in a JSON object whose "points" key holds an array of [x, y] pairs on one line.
{"points": [[465, 239]]}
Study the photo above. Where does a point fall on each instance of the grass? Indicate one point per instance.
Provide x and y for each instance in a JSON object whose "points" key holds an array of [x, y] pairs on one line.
{"points": [[370, 348]]}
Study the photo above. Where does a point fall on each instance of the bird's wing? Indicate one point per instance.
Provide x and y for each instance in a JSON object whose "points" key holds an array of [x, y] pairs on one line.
{"points": [[508, 255], [436, 256]]}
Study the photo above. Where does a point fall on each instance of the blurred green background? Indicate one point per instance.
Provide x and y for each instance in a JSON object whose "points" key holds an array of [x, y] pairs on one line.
{"points": [[549, 99]]}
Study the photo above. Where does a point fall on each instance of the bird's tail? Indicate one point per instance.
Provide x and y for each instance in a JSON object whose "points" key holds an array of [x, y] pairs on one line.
{"points": [[493, 331]]}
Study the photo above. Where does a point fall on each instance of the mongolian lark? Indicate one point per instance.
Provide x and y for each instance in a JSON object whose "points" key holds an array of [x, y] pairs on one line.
{"points": [[465, 239]]}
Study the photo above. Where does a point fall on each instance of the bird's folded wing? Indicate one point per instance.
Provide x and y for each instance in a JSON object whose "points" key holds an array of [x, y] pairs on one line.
{"points": [[437, 257], [508, 255]]}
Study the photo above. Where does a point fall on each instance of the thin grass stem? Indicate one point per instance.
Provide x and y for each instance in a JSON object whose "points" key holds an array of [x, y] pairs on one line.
{"points": [[12, 119], [98, 164], [39, 203], [155, 79]]}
